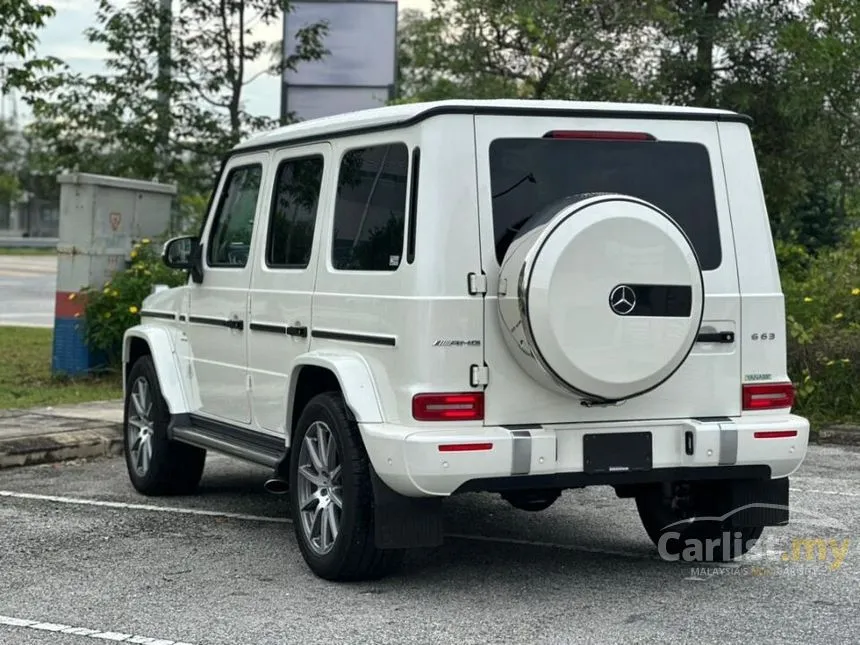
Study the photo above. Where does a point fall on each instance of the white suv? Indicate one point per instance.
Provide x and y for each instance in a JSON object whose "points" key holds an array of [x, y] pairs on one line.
{"points": [[397, 305]]}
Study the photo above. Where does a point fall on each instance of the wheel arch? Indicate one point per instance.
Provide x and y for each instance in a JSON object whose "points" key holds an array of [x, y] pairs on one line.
{"points": [[156, 342], [317, 372]]}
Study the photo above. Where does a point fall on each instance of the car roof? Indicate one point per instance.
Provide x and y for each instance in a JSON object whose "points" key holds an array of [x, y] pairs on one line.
{"points": [[391, 116]]}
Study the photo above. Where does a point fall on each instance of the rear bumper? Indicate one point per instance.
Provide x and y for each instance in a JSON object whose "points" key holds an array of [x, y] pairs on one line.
{"points": [[409, 461]]}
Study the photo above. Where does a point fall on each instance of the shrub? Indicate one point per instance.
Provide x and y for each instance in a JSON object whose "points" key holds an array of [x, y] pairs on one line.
{"points": [[115, 307], [822, 295]]}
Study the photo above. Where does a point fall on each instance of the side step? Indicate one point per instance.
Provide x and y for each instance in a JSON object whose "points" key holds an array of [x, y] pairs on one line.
{"points": [[255, 447]]}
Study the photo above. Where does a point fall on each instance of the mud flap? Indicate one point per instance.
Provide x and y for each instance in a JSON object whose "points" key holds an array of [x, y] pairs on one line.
{"points": [[402, 522], [756, 502]]}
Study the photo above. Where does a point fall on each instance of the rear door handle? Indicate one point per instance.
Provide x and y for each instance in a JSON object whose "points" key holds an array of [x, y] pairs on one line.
{"points": [[716, 337], [299, 331]]}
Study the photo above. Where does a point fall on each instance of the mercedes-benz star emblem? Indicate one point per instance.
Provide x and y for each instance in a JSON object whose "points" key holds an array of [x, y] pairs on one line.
{"points": [[622, 300]]}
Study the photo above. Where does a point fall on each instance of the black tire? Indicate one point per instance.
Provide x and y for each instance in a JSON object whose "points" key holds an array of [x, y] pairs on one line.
{"points": [[174, 468], [688, 541], [353, 556]]}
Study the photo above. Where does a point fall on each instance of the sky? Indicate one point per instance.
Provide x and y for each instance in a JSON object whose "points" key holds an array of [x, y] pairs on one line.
{"points": [[63, 37]]}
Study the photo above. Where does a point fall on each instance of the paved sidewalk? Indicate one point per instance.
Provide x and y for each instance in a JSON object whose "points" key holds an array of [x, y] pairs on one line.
{"points": [[42, 435]]}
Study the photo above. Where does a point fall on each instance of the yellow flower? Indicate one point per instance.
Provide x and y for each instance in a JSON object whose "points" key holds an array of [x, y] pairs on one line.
{"points": [[133, 309], [838, 316], [145, 240], [829, 363], [133, 254], [107, 314], [807, 299], [855, 291], [114, 293], [72, 296], [106, 291], [845, 360]]}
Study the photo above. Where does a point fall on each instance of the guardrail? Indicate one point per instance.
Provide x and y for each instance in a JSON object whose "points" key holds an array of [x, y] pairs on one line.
{"points": [[28, 242]]}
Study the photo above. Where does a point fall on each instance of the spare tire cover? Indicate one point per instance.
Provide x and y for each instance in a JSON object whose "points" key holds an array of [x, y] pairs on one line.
{"points": [[601, 296]]}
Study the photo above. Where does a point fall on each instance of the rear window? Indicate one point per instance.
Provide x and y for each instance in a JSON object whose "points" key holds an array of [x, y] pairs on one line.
{"points": [[527, 175]]}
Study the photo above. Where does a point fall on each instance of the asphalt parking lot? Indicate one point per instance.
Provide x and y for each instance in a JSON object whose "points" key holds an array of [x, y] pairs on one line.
{"points": [[83, 557]]}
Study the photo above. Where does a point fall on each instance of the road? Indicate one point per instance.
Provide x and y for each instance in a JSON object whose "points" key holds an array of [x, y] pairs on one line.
{"points": [[80, 551], [27, 287]]}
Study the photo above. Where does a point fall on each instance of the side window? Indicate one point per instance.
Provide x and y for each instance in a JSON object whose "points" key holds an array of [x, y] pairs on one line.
{"points": [[370, 209], [294, 212], [230, 238]]}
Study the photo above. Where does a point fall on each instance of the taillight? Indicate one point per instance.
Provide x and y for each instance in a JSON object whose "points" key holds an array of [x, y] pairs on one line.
{"points": [[603, 135], [463, 406], [768, 396]]}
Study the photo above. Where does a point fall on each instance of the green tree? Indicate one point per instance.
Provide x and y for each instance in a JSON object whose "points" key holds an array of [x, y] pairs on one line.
{"points": [[135, 120], [523, 48], [12, 152], [20, 21]]}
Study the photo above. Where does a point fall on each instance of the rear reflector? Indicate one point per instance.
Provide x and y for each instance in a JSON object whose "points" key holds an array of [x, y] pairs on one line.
{"points": [[463, 406], [775, 434], [768, 396], [607, 135], [464, 447]]}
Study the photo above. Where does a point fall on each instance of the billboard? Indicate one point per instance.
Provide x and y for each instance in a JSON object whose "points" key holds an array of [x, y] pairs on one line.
{"points": [[360, 69]]}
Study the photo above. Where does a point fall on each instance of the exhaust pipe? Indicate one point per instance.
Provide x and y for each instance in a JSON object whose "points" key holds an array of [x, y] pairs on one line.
{"points": [[277, 486]]}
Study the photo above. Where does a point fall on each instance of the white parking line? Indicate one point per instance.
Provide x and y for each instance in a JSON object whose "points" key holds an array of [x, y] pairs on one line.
{"points": [[283, 520], [841, 493], [141, 507], [553, 545], [117, 637]]}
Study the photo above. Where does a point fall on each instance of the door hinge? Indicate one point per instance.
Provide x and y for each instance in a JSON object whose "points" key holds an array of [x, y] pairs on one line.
{"points": [[477, 283], [479, 375]]}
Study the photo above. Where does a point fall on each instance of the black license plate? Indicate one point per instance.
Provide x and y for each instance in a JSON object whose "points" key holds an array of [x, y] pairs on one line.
{"points": [[617, 452]]}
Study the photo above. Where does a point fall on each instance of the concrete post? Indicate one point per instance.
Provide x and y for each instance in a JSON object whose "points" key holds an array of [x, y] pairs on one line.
{"points": [[100, 219]]}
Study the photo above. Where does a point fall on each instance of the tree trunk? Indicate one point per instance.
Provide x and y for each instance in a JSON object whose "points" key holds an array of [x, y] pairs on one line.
{"points": [[706, 30]]}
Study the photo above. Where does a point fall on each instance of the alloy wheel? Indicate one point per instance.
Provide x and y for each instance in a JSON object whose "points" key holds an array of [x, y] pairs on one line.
{"points": [[319, 488]]}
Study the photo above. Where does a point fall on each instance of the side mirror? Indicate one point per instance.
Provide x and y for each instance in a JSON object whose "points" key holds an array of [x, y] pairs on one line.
{"points": [[185, 253], [178, 252]]}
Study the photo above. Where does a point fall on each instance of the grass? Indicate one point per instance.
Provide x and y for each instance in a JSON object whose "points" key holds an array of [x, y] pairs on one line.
{"points": [[27, 250], [26, 379]]}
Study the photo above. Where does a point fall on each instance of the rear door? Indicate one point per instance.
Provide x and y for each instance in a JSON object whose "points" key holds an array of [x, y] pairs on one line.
{"points": [[522, 169], [283, 282]]}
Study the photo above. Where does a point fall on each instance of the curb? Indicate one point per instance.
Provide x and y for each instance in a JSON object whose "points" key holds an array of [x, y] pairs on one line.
{"points": [[837, 436], [61, 446]]}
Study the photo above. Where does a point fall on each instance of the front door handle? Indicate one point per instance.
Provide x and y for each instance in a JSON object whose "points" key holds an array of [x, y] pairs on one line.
{"points": [[297, 330]]}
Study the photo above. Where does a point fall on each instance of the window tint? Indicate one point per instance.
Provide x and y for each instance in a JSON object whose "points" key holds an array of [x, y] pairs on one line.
{"points": [[230, 239], [370, 209], [527, 175], [294, 212]]}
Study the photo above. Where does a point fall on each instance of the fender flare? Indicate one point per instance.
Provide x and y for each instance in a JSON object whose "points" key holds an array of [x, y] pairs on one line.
{"points": [[354, 376], [163, 352]]}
